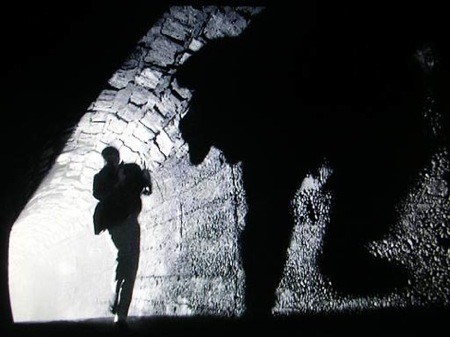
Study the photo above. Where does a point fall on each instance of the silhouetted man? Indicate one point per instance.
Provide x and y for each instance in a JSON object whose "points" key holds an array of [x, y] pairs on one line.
{"points": [[118, 187], [299, 88]]}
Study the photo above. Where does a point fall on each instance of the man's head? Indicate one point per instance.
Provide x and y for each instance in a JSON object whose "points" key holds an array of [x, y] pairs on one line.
{"points": [[111, 156]]}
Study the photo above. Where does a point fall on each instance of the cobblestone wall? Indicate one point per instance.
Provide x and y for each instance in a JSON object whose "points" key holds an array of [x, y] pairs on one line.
{"points": [[189, 255], [190, 224]]}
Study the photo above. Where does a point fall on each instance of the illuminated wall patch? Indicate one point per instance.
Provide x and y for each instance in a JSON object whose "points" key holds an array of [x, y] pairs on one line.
{"points": [[58, 268]]}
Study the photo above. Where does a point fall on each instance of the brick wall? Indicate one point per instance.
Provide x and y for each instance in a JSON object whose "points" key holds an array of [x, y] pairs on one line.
{"points": [[190, 260]]}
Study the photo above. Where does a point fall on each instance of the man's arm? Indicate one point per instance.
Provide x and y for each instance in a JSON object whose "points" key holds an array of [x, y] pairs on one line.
{"points": [[103, 185], [98, 190]]}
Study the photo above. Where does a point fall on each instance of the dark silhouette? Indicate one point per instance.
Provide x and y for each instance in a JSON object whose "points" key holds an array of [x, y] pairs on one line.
{"points": [[299, 88], [118, 186]]}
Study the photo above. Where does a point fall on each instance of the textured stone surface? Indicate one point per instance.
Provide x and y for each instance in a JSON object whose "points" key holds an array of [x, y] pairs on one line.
{"points": [[226, 22], [418, 241], [190, 263]]}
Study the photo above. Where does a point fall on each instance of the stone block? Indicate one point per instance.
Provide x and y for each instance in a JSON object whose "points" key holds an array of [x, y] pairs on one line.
{"points": [[195, 45], [148, 78], [131, 112], [155, 155], [128, 155], [143, 133], [175, 29], [122, 78], [165, 144], [153, 120], [168, 105], [121, 99], [183, 93], [116, 125], [105, 101], [98, 116], [141, 95], [226, 23], [135, 144], [163, 52]]}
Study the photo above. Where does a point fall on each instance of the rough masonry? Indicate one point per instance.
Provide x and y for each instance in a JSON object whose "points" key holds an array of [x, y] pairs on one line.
{"points": [[190, 262]]}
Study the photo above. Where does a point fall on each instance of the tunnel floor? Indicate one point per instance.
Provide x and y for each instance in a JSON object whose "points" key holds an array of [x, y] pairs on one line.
{"points": [[431, 321]]}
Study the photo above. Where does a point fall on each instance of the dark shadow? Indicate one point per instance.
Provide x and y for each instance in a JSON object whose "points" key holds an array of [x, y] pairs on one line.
{"points": [[118, 188], [297, 88], [418, 322]]}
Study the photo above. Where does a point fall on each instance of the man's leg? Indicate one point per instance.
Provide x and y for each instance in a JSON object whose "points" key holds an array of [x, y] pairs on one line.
{"points": [[126, 238], [127, 285]]}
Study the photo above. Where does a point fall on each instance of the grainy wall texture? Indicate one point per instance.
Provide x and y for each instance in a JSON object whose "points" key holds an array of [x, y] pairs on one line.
{"points": [[190, 263]]}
